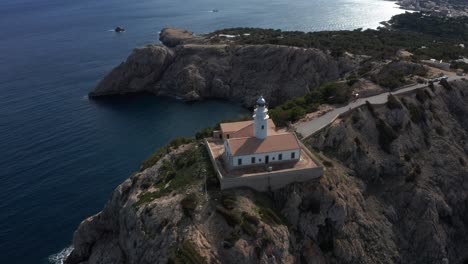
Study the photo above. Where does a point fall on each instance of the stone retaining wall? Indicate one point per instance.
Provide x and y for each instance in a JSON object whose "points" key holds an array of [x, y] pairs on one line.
{"points": [[269, 180], [272, 180]]}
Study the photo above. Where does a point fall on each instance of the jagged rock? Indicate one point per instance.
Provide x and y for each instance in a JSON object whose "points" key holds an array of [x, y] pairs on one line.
{"points": [[188, 64], [407, 205], [119, 29]]}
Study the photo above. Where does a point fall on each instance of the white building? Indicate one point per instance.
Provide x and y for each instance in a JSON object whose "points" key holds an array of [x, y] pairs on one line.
{"points": [[256, 142]]}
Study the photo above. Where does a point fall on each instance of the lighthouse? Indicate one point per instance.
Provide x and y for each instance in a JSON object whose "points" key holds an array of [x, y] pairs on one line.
{"points": [[261, 117]]}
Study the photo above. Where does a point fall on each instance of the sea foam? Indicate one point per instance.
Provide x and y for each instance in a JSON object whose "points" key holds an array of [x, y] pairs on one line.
{"points": [[59, 258]]}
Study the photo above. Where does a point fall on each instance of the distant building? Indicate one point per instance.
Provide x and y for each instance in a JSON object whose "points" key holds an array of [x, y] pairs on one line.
{"points": [[437, 64], [256, 142]]}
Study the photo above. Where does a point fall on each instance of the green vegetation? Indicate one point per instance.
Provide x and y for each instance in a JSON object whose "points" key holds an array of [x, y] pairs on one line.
{"points": [[327, 164], [161, 152], [393, 74], [440, 36], [179, 172], [386, 135], [422, 95], [229, 201], [416, 113], [186, 254], [269, 216], [393, 102], [204, 133], [189, 203], [231, 239], [296, 108], [232, 217]]}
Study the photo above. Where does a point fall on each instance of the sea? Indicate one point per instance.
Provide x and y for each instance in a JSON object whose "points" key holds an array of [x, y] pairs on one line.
{"points": [[62, 154]]}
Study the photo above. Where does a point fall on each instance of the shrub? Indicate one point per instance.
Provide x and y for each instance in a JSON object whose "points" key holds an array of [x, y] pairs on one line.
{"points": [[446, 85], [393, 102], [204, 133], [421, 96], [228, 201], [189, 203], [162, 151], [232, 218], [248, 228], [296, 108], [386, 135], [416, 113], [327, 163], [186, 253], [269, 216]]}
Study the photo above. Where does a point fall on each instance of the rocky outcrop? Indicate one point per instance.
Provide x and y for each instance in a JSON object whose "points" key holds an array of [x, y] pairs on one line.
{"points": [[187, 66], [395, 190], [409, 161]]}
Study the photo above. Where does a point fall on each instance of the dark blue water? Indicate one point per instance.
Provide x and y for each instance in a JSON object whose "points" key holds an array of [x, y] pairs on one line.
{"points": [[62, 154]]}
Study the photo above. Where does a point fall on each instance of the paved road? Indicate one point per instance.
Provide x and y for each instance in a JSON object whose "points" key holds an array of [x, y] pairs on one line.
{"points": [[308, 128]]}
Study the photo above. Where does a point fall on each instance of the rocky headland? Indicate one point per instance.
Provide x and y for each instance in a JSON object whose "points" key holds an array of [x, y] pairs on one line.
{"points": [[395, 190], [191, 67]]}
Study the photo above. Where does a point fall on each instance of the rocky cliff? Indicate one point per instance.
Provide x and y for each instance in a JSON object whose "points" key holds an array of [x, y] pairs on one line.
{"points": [[409, 159], [188, 66], [395, 190]]}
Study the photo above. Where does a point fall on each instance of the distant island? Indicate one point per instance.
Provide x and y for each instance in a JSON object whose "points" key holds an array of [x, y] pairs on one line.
{"points": [[393, 187]]}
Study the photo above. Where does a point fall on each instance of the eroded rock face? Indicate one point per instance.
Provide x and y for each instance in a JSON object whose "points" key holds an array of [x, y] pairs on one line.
{"points": [[393, 193], [414, 192], [191, 68]]}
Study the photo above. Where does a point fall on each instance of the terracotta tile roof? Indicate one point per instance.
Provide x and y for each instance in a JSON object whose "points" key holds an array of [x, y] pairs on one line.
{"points": [[234, 126], [273, 143], [245, 128]]}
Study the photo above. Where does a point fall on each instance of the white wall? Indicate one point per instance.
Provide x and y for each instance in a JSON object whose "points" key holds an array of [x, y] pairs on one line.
{"points": [[246, 160]]}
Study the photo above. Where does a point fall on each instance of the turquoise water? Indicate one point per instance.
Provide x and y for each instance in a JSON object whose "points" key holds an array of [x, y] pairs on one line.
{"points": [[62, 154]]}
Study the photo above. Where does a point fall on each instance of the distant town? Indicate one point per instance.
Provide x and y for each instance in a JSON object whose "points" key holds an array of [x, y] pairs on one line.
{"points": [[450, 8]]}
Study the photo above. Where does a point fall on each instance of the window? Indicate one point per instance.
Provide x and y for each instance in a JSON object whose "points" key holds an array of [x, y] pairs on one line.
{"points": [[280, 156], [252, 160], [220, 136], [263, 127], [239, 161], [227, 136], [293, 155]]}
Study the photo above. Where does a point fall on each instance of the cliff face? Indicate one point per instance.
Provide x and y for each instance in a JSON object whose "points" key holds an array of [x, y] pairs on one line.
{"points": [[409, 158], [395, 190], [188, 66]]}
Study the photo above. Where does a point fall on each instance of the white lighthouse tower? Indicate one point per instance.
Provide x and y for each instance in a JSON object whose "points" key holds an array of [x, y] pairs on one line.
{"points": [[261, 119]]}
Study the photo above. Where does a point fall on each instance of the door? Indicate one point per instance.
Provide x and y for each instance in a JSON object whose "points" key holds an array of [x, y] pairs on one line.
{"points": [[267, 159]]}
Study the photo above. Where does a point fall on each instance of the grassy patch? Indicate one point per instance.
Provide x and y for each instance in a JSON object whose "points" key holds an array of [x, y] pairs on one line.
{"points": [[162, 151], [269, 216], [179, 172], [186, 253], [228, 201], [249, 224], [232, 218]]}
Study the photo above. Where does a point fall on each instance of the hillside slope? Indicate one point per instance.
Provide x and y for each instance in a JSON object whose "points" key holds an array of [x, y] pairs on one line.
{"points": [[410, 159], [394, 191]]}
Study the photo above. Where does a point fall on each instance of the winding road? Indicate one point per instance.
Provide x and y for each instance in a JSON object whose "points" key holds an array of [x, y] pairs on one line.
{"points": [[308, 128]]}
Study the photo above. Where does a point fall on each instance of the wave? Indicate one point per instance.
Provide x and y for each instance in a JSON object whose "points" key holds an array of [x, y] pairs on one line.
{"points": [[59, 258]]}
